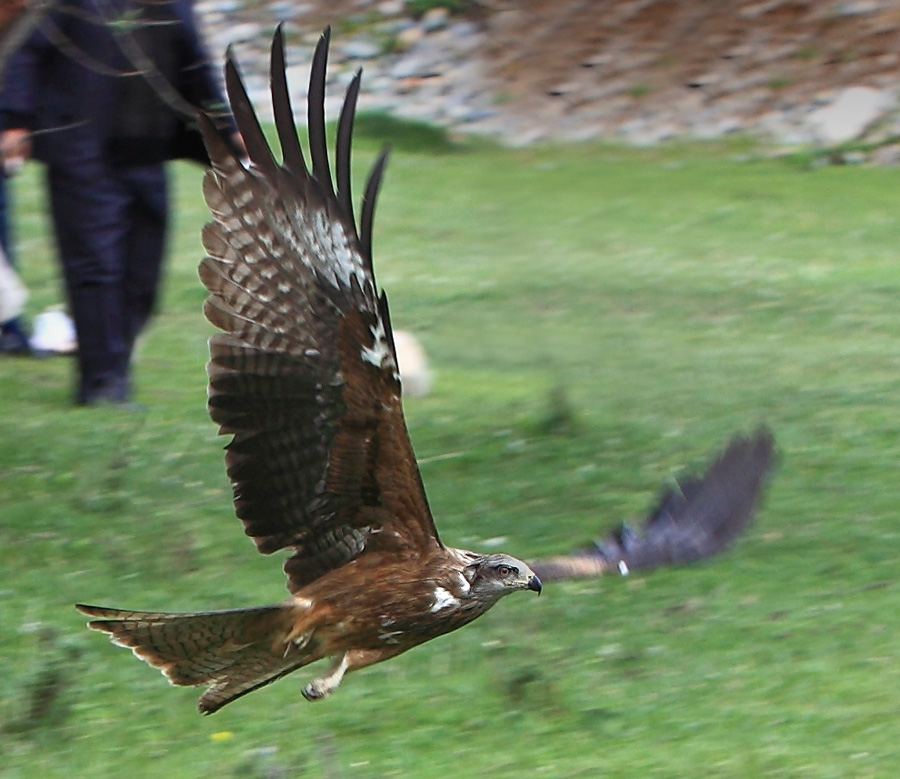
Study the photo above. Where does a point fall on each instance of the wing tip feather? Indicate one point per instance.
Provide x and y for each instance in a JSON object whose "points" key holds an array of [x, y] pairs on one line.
{"points": [[697, 518]]}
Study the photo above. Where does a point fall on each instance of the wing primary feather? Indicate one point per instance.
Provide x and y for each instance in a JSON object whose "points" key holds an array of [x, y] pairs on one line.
{"points": [[368, 206], [318, 148], [385, 314], [292, 154], [700, 517], [217, 146], [257, 147], [344, 143]]}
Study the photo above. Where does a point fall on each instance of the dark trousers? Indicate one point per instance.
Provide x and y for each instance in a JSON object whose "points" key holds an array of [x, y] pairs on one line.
{"points": [[110, 226]]}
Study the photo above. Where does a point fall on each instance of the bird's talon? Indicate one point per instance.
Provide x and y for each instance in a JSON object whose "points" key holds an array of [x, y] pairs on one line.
{"points": [[314, 692]]}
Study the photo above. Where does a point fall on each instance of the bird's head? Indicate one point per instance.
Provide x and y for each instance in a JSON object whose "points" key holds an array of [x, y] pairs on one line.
{"points": [[495, 575]]}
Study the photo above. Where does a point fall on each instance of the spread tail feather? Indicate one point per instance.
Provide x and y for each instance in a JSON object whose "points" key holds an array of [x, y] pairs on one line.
{"points": [[234, 651]]}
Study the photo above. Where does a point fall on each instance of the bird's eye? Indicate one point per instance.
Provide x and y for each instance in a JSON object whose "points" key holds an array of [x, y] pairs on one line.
{"points": [[504, 570]]}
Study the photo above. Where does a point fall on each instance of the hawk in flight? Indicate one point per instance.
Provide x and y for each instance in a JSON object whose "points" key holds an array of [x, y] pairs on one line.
{"points": [[304, 377]]}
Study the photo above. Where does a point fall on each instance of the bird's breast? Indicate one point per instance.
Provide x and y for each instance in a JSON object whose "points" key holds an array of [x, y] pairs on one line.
{"points": [[389, 605]]}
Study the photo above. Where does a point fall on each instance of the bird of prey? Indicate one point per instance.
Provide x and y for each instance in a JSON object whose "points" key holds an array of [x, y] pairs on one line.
{"points": [[304, 377]]}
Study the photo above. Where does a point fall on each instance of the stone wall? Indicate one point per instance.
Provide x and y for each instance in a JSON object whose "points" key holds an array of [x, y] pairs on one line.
{"points": [[794, 71]]}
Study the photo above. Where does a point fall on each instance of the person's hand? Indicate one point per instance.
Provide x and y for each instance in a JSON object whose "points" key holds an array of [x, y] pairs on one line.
{"points": [[9, 10], [15, 149]]}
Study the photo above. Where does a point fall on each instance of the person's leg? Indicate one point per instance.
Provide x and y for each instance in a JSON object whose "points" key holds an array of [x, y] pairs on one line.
{"points": [[89, 216], [145, 244]]}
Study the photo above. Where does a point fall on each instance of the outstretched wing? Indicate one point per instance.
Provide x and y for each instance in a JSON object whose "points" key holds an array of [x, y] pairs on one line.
{"points": [[697, 518], [304, 375]]}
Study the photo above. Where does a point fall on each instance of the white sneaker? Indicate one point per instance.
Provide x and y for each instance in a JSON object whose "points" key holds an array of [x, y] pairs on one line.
{"points": [[54, 332]]}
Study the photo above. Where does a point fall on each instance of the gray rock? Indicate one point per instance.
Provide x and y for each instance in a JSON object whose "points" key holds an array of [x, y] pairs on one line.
{"points": [[377, 83], [391, 7], [520, 136], [244, 31], [652, 134], [225, 6], [854, 158], [887, 156], [463, 29], [435, 19], [394, 26], [413, 65], [715, 128], [856, 8], [853, 110], [409, 37], [285, 10], [360, 49]]}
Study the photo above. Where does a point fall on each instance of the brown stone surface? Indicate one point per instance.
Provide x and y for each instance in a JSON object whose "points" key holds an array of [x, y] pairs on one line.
{"points": [[640, 70], [759, 54]]}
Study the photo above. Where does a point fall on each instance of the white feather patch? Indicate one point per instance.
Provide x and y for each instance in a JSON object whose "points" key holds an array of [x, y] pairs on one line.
{"points": [[379, 354], [464, 585], [443, 599]]}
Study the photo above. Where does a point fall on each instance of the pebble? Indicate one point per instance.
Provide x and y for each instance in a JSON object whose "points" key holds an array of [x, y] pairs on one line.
{"points": [[359, 49], [391, 7], [435, 19], [409, 37], [887, 156], [285, 10]]}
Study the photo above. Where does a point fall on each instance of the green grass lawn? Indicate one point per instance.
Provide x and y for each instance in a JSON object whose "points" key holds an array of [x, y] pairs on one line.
{"points": [[661, 300]]}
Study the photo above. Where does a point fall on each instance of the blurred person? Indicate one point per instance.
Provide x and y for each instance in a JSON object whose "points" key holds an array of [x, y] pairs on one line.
{"points": [[102, 93], [13, 340], [13, 294]]}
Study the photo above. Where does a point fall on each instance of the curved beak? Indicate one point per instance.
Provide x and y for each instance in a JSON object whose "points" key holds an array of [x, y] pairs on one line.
{"points": [[535, 584]]}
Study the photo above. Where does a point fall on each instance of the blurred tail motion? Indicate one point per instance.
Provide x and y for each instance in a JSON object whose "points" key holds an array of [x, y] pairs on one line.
{"points": [[697, 518], [233, 651]]}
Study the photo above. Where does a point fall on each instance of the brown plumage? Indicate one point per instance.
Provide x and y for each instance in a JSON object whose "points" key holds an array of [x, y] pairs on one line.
{"points": [[304, 377]]}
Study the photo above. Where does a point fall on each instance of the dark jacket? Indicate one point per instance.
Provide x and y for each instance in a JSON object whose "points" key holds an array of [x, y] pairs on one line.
{"points": [[76, 82]]}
